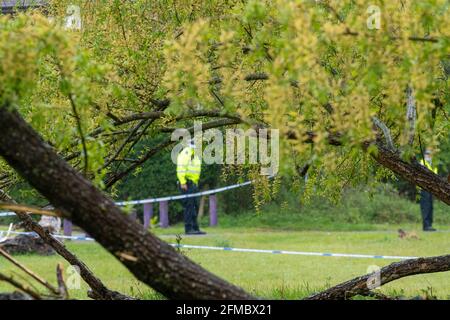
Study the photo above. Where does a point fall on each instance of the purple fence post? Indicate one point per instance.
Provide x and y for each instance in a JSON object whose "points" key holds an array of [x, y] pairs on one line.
{"points": [[164, 214], [67, 227], [212, 210], [148, 213]]}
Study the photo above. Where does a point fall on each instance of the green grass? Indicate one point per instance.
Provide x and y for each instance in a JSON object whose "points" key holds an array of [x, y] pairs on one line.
{"points": [[355, 212], [269, 275], [356, 225]]}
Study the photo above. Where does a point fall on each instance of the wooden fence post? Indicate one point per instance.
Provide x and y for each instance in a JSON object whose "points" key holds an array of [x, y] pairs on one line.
{"points": [[148, 213], [133, 214], [164, 214], [67, 227], [213, 210]]}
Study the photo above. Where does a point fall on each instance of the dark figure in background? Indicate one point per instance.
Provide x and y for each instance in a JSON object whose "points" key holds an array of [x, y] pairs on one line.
{"points": [[426, 198], [190, 206]]}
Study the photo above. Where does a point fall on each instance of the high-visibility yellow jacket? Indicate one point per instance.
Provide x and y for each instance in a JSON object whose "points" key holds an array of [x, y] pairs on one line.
{"points": [[429, 166], [188, 166]]}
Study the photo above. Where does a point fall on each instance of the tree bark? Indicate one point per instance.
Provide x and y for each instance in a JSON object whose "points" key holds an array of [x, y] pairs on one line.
{"points": [[151, 260], [394, 271], [414, 173]]}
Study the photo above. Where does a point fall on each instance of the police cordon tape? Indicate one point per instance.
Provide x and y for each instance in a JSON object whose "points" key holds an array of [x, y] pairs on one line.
{"points": [[7, 214], [187, 246], [168, 198], [79, 238], [7, 233], [209, 192], [184, 196]]}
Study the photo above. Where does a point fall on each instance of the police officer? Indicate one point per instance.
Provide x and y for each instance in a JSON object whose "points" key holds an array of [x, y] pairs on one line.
{"points": [[188, 174], [426, 198]]}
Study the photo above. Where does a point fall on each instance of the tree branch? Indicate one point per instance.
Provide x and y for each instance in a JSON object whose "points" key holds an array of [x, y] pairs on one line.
{"points": [[394, 271], [110, 181], [62, 288], [386, 132], [20, 286], [28, 209], [412, 171], [36, 277], [410, 115], [157, 264]]}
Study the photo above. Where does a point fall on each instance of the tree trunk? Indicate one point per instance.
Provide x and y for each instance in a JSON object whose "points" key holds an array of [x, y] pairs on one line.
{"points": [[394, 271], [151, 260], [414, 173]]}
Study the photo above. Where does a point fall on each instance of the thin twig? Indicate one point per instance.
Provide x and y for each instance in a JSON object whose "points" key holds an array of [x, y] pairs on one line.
{"points": [[386, 132], [20, 286], [61, 283], [28, 271], [80, 132], [29, 209]]}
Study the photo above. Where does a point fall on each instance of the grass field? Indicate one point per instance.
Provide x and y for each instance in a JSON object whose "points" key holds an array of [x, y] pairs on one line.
{"points": [[271, 275]]}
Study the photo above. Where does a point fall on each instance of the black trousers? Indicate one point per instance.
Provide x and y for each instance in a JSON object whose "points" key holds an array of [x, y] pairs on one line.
{"points": [[426, 207], [190, 206]]}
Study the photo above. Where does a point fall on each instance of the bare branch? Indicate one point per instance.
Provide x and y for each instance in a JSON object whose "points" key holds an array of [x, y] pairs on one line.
{"points": [[36, 277], [349, 32], [410, 115], [20, 286], [62, 288], [166, 143], [122, 146], [102, 292], [29, 209], [386, 132], [158, 263]]}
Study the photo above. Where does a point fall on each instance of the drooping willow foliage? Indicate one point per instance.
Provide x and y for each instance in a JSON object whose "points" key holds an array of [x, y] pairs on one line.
{"points": [[302, 67]]}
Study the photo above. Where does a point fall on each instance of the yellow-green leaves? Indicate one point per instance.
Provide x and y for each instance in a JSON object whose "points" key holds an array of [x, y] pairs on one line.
{"points": [[331, 67]]}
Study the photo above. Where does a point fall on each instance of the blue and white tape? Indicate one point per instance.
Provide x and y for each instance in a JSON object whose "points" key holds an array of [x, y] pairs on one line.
{"points": [[80, 238], [184, 196], [301, 253], [168, 198], [7, 214], [7, 233]]}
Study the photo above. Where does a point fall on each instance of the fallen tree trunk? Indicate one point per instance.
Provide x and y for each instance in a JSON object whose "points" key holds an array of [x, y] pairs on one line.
{"points": [[27, 244], [150, 259], [394, 271], [15, 296]]}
